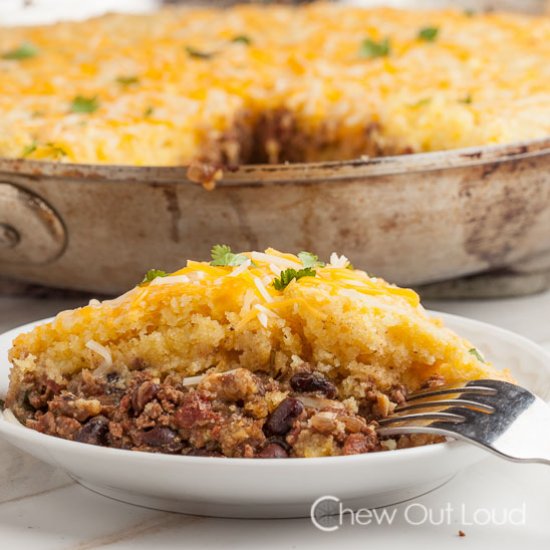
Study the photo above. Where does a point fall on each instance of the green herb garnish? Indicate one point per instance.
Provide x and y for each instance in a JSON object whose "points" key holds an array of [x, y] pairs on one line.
{"points": [[2, 404], [25, 51], [81, 104], [370, 48], [152, 274], [310, 260], [476, 354], [127, 80], [288, 275], [466, 100], [241, 39], [421, 103], [148, 112], [222, 256], [29, 149], [197, 54], [469, 13], [428, 34]]}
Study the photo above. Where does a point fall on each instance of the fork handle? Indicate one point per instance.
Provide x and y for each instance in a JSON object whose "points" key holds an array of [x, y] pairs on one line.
{"points": [[432, 430]]}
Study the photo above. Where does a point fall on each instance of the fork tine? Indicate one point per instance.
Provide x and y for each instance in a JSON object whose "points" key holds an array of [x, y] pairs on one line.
{"points": [[444, 403], [432, 416], [450, 390], [496, 415]]}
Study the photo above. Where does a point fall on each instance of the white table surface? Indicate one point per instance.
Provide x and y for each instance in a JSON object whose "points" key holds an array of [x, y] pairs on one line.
{"points": [[41, 508]]}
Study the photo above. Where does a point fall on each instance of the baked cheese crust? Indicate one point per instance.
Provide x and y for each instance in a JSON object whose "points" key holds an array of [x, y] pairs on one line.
{"points": [[271, 84]]}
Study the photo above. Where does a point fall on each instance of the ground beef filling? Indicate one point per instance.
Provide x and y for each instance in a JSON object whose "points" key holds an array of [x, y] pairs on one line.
{"points": [[277, 137], [234, 414]]}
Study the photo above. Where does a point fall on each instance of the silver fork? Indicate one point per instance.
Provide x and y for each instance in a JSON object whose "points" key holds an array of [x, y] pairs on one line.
{"points": [[500, 417]]}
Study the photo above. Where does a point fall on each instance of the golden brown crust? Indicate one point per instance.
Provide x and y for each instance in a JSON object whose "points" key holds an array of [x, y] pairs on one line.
{"points": [[320, 78]]}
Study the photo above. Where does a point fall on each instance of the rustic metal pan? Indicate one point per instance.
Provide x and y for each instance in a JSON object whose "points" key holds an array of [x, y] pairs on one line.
{"points": [[413, 219]]}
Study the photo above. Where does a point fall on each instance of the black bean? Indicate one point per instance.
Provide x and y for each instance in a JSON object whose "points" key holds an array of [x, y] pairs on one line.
{"points": [[313, 382], [159, 436], [272, 450], [94, 432], [112, 377], [281, 419]]}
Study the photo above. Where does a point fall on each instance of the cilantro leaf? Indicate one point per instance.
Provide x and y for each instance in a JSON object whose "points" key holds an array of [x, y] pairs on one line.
{"points": [[148, 112], [81, 104], [219, 253], [370, 48], [310, 260], [241, 39], [127, 80], [476, 354], [288, 275], [428, 34], [153, 274], [222, 256], [25, 51], [421, 103], [29, 149], [197, 54], [466, 100]]}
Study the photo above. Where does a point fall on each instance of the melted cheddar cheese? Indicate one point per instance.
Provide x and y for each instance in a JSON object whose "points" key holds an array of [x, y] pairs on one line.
{"points": [[334, 317], [169, 88]]}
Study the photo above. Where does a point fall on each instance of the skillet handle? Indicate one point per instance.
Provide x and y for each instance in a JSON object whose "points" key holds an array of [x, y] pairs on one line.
{"points": [[31, 232]]}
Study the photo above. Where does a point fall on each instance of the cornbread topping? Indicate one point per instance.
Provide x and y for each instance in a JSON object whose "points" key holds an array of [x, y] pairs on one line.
{"points": [[251, 355], [215, 88]]}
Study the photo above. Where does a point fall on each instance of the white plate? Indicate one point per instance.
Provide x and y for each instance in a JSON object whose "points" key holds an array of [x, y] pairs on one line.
{"points": [[277, 487]]}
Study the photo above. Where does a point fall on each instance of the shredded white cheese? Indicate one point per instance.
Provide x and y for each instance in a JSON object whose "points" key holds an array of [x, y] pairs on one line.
{"points": [[351, 282], [100, 350], [248, 299], [192, 380], [262, 290], [240, 269], [275, 260], [262, 317], [275, 269], [263, 309], [173, 279]]}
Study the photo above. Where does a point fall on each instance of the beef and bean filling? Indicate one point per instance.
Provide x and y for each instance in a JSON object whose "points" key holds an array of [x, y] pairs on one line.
{"points": [[234, 414]]}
